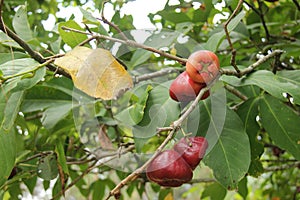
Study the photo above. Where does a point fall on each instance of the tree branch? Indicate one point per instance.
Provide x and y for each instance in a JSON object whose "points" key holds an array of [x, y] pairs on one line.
{"points": [[282, 167], [5, 78], [236, 92], [35, 55], [253, 66], [233, 51], [159, 73], [297, 4], [89, 169], [261, 15], [110, 23], [129, 43]]}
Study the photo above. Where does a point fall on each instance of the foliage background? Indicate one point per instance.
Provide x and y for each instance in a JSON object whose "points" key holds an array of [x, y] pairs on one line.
{"points": [[258, 151]]}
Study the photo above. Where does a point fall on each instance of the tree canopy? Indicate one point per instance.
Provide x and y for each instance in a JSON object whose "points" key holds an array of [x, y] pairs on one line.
{"points": [[85, 106]]}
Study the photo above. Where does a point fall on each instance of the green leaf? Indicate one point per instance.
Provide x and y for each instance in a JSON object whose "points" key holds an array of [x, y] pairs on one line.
{"points": [[214, 41], [281, 123], [248, 112], [184, 27], [201, 15], [98, 188], [54, 114], [164, 193], [174, 17], [41, 97], [209, 118], [28, 82], [243, 189], [21, 25], [11, 109], [134, 113], [230, 157], [17, 66], [215, 191], [160, 111], [235, 21], [54, 98], [69, 37], [47, 168], [276, 85], [7, 41], [87, 15], [5, 57], [61, 157], [7, 154], [158, 40]]}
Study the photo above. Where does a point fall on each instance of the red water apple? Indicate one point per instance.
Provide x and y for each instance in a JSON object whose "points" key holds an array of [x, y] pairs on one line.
{"points": [[169, 169], [184, 89], [203, 66], [192, 149]]}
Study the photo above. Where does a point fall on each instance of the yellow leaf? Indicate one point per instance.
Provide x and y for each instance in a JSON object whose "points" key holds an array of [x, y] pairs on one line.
{"points": [[169, 196], [96, 72]]}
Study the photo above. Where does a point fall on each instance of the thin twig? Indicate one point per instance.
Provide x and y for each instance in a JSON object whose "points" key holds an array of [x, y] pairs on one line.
{"points": [[159, 73], [5, 78], [253, 66], [297, 4], [87, 40], [233, 51], [110, 23], [129, 43], [282, 167], [41, 154], [236, 92], [89, 169], [35, 55], [263, 20]]}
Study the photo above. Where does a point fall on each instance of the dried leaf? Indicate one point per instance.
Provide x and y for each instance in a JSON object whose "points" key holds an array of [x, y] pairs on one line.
{"points": [[96, 72], [104, 140]]}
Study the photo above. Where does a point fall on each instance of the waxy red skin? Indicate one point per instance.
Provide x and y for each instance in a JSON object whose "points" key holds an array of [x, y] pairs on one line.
{"points": [[169, 169], [184, 89], [203, 66], [192, 149]]}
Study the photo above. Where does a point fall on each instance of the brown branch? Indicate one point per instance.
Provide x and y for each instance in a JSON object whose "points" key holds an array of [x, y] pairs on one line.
{"points": [[129, 43], [282, 167], [89, 169], [34, 54], [159, 73], [236, 92], [41, 154], [253, 66], [233, 51], [297, 4], [110, 23], [263, 20]]}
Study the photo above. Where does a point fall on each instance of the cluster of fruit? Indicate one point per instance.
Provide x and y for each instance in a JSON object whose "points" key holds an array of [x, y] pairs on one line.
{"points": [[202, 67], [172, 168]]}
